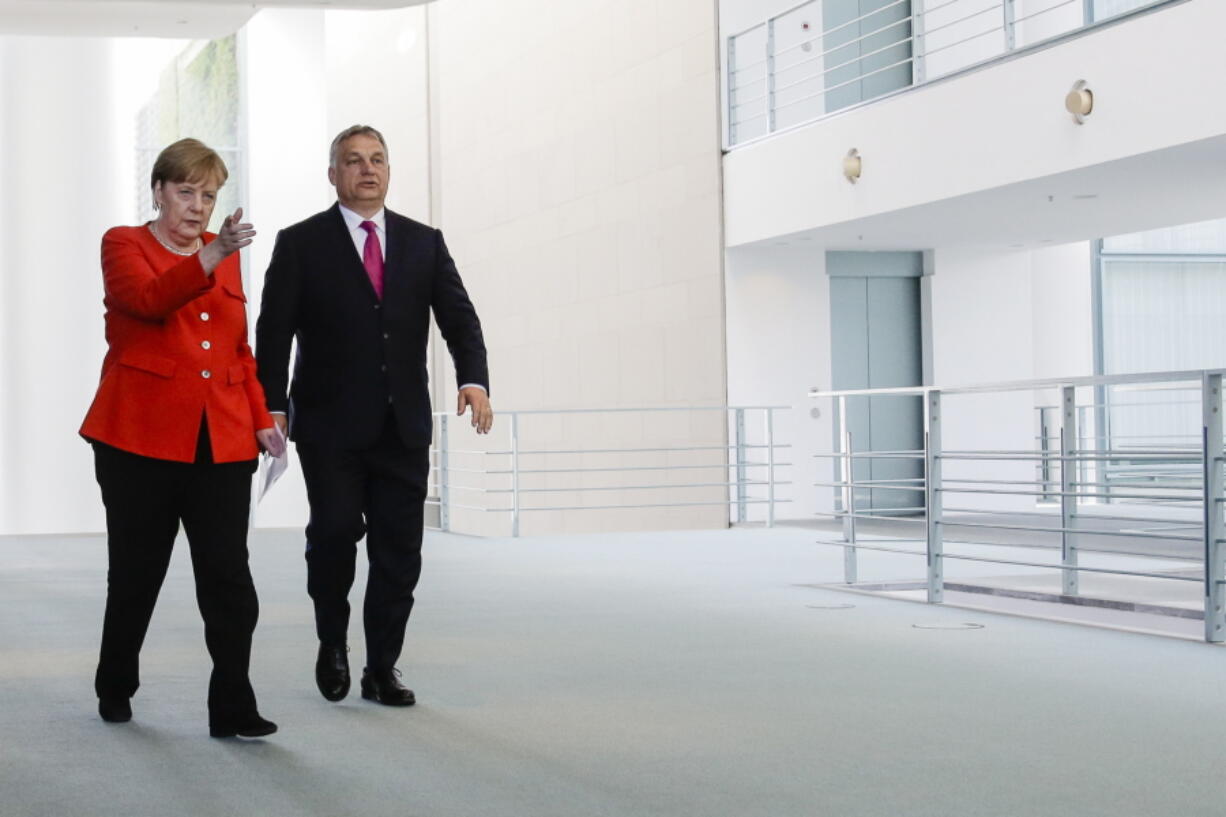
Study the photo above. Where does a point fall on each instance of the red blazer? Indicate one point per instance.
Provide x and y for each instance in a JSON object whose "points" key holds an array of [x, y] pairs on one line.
{"points": [[177, 351]]}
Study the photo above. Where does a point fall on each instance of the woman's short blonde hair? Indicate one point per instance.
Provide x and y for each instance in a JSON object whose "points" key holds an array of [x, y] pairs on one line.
{"points": [[188, 160]]}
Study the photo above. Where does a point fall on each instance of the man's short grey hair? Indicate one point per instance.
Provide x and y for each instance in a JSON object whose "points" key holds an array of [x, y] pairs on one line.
{"points": [[334, 155]]}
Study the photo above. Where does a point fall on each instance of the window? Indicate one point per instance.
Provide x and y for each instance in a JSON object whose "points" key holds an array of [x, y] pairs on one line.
{"points": [[1162, 308], [197, 96]]}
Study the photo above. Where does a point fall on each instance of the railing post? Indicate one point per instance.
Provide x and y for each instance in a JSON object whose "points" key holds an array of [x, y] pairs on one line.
{"points": [[770, 75], [444, 488], [919, 67], [1085, 442], [1068, 501], [1087, 12], [1010, 26], [849, 511], [742, 494], [731, 91], [1044, 464], [1211, 450], [514, 475], [845, 496], [932, 497], [844, 477], [770, 468]]}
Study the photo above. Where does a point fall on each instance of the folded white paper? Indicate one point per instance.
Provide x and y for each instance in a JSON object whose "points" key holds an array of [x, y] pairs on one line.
{"points": [[271, 468]]}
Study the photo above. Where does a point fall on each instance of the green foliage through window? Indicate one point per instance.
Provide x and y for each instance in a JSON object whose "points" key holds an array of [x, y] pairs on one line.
{"points": [[197, 96]]}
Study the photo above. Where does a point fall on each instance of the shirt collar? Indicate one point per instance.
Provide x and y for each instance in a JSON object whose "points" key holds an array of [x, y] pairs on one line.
{"points": [[353, 221]]}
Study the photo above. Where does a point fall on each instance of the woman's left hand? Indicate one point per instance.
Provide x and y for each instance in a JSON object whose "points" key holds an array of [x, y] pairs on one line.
{"points": [[271, 441]]}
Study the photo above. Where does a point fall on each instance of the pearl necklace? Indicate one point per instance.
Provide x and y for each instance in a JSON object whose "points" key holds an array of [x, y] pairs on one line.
{"points": [[174, 250]]}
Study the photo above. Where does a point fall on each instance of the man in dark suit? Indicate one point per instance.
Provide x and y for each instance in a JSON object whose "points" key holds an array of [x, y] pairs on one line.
{"points": [[355, 285]]}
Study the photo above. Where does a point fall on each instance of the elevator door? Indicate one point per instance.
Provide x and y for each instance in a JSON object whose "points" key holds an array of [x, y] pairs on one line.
{"points": [[876, 343]]}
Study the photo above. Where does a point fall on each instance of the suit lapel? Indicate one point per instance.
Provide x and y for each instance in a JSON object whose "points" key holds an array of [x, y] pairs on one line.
{"points": [[350, 264], [395, 266]]}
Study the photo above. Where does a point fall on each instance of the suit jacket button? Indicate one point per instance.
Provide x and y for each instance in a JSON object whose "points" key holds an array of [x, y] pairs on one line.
{"points": [[377, 306], [206, 374], [389, 398], [386, 335], [204, 316], [204, 344]]}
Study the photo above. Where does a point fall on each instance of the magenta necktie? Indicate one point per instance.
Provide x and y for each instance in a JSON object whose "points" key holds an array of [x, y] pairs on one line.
{"points": [[372, 258]]}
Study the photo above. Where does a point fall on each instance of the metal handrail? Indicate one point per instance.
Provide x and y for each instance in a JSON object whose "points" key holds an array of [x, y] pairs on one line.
{"points": [[1075, 460], [1186, 376], [752, 466], [916, 35]]}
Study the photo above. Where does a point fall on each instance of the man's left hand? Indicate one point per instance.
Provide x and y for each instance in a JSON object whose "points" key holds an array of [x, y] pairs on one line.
{"points": [[483, 414]]}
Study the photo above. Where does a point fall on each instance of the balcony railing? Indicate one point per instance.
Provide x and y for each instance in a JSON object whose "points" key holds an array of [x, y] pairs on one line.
{"points": [[551, 462], [982, 468], [815, 59]]}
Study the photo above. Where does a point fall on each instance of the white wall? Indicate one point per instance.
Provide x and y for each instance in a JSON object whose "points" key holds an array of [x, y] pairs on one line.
{"points": [[1005, 315], [375, 72], [996, 315], [51, 334], [67, 171], [287, 141], [778, 348], [982, 332], [309, 75], [1062, 311], [580, 175], [958, 131], [581, 180]]}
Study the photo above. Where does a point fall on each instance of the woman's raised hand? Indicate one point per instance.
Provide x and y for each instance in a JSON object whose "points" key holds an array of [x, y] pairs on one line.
{"points": [[233, 236]]}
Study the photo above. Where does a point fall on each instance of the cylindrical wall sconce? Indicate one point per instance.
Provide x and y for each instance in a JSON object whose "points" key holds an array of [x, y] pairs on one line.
{"points": [[1079, 102], [852, 165]]}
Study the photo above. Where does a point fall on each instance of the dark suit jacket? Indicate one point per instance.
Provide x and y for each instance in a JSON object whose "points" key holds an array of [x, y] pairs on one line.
{"points": [[356, 354]]}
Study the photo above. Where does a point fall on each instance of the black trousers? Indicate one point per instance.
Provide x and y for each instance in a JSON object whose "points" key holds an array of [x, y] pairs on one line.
{"points": [[377, 493], [146, 499]]}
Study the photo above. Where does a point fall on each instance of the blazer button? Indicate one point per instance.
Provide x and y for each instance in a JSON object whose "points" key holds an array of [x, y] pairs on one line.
{"points": [[386, 336], [383, 368], [204, 316], [206, 374], [204, 344], [377, 306]]}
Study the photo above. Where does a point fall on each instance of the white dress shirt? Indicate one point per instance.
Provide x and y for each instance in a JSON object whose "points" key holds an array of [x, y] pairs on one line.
{"points": [[354, 222]]}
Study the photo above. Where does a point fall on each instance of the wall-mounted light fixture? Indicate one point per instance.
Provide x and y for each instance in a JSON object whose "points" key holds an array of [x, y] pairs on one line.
{"points": [[1080, 102], [852, 165]]}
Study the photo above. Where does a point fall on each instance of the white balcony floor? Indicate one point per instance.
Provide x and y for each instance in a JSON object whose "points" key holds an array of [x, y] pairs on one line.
{"points": [[630, 675]]}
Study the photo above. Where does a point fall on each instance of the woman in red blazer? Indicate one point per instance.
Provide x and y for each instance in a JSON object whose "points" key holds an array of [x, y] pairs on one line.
{"points": [[177, 424]]}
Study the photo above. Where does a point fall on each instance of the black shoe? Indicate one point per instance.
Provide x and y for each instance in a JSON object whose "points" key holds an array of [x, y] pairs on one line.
{"points": [[115, 710], [384, 687], [252, 726], [332, 671]]}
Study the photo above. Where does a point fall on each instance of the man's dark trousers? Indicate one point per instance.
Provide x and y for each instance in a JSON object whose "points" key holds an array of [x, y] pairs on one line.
{"points": [[379, 492]]}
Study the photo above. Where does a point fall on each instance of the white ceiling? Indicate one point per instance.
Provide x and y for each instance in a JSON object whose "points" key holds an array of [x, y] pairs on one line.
{"points": [[199, 19], [1178, 185]]}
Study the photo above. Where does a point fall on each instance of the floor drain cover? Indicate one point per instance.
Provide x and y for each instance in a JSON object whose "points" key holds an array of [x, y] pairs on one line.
{"points": [[830, 606], [962, 626]]}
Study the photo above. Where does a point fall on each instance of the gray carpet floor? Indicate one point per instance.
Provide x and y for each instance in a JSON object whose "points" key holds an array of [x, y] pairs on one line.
{"points": [[691, 673]]}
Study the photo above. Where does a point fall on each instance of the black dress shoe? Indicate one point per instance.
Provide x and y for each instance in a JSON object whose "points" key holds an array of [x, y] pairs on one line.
{"points": [[252, 726], [332, 671], [383, 686], [115, 710]]}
